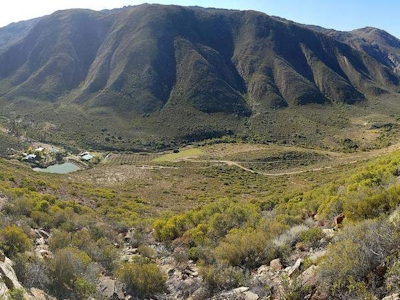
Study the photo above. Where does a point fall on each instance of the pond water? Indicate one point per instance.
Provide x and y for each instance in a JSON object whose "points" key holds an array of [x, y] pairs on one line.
{"points": [[59, 169]]}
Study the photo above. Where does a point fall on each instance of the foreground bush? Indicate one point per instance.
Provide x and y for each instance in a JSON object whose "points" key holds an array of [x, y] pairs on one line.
{"points": [[247, 249], [72, 275], [14, 240], [142, 279], [220, 277], [354, 267]]}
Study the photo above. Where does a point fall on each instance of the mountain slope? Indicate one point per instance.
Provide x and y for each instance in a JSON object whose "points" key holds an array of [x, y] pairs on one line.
{"points": [[169, 72], [375, 42], [14, 32]]}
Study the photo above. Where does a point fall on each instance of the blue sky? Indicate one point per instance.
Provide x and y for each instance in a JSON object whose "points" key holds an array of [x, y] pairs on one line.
{"points": [[336, 14]]}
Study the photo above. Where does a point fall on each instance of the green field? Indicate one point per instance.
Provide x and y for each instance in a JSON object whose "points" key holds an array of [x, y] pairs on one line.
{"points": [[171, 157]]}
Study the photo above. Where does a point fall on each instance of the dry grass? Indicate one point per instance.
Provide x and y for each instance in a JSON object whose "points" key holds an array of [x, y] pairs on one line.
{"points": [[177, 185], [171, 157]]}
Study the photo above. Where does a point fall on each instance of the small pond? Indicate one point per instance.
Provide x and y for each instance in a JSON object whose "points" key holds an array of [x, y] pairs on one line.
{"points": [[59, 168]]}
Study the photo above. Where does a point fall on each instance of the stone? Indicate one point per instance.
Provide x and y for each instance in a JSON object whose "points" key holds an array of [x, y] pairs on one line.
{"points": [[170, 272], [44, 234], [263, 270], [40, 241], [201, 293], [110, 288], [8, 279], [38, 294], [190, 271], [131, 251], [250, 296], [3, 290], [241, 289], [107, 287], [329, 232], [295, 269], [395, 296], [309, 276], [8, 275], [316, 255], [276, 264]]}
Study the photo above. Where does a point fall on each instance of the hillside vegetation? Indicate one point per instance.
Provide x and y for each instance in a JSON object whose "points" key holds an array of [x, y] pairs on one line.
{"points": [[226, 220], [236, 156]]}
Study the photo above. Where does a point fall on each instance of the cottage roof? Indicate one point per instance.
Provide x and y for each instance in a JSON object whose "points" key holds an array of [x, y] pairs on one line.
{"points": [[87, 157]]}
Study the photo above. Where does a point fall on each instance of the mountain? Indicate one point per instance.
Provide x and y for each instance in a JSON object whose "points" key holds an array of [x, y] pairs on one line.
{"points": [[375, 42], [168, 74], [14, 32]]}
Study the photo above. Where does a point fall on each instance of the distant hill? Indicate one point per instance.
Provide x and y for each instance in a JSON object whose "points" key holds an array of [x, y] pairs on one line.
{"points": [[153, 75]]}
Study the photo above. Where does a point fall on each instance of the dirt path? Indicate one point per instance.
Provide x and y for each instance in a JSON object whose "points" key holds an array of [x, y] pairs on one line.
{"points": [[337, 159], [341, 159]]}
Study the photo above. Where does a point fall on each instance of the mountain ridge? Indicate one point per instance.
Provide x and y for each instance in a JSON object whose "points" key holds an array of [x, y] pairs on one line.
{"points": [[160, 62]]}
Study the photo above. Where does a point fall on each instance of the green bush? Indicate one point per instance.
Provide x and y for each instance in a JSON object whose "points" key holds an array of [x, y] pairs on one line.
{"points": [[146, 251], [16, 294], [14, 240], [142, 280], [31, 271], [247, 249], [349, 268], [366, 203], [311, 237], [106, 254], [392, 277], [72, 275], [221, 277], [59, 239]]}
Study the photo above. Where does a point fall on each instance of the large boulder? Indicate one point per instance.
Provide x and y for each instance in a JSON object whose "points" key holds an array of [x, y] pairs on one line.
{"points": [[8, 279], [294, 270], [110, 289], [276, 264], [309, 277], [8, 276], [36, 294]]}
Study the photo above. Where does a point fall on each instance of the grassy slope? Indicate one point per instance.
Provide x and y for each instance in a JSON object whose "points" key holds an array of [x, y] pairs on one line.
{"points": [[130, 195]]}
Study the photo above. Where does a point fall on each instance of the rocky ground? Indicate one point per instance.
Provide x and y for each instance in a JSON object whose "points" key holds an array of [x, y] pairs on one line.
{"points": [[271, 281]]}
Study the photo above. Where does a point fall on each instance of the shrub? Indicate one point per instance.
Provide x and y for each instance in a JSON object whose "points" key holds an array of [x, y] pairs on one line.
{"points": [[350, 266], [146, 251], [59, 240], [142, 279], [14, 240], [221, 277], [393, 277], [247, 249], [16, 294], [290, 237], [31, 271], [311, 237], [72, 275], [366, 204], [106, 254]]}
